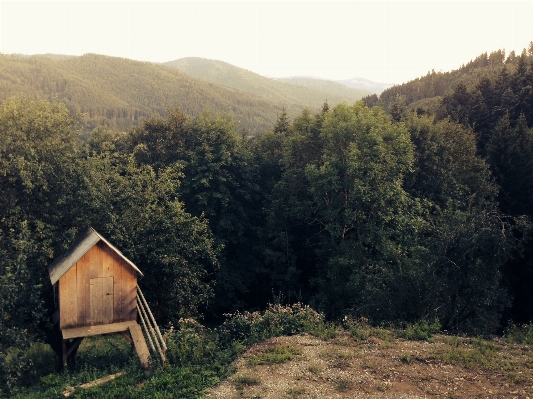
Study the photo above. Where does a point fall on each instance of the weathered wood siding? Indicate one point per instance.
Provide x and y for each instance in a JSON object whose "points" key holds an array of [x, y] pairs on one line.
{"points": [[101, 288]]}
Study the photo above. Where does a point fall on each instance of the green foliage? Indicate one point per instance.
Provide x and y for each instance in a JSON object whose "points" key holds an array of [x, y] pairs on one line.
{"points": [[420, 331], [217, 184], [191, 344], [476, 353], [361, 329], [364, 215], [39, 191], [245, 380], [276, 320], [510, 152], [407, 359], [519, 334], [274, 355]]}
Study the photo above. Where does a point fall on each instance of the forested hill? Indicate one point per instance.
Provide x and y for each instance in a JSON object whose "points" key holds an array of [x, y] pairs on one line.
{"points": [[302, 92], [336, 89], [117, 92], [488, 69]]}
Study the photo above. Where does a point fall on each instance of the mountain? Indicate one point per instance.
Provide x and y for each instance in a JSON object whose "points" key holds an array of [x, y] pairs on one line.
{"points": [[117, 92], [334, 89], [365, 84], [427, 92], [307, 93]]}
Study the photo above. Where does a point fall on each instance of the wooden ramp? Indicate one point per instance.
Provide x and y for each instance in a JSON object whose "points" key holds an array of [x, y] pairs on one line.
{"points": [[140, 344]]}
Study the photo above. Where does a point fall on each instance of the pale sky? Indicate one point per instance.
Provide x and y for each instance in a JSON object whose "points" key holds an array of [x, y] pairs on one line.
{"points": [[384, 41]]}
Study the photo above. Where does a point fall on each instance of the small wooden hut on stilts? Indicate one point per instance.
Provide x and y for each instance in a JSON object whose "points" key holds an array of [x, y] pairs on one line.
{"points": [[96, 293]]}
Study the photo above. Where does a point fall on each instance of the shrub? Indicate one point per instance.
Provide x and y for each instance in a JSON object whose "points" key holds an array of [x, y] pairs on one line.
{"points": [[520, 334], [361, 329], [275, 321], [420, 331], [191, 344]]}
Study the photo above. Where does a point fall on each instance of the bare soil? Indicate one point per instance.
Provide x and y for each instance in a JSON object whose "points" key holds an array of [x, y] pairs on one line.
{"points": [[446, 367]]}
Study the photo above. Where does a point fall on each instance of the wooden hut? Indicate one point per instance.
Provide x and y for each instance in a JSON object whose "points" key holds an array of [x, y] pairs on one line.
{"points": [[96, 293]]}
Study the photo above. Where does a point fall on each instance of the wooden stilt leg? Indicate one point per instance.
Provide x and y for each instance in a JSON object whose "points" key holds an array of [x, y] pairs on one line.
{"points": [[64, 345], [126, 337], [72, 349]]}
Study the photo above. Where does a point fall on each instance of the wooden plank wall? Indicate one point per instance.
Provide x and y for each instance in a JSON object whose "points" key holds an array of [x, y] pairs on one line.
{"points": [[83, 266], [68, 300], [75, 290]]}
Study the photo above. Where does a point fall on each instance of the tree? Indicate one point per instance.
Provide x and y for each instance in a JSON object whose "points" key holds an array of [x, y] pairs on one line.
{"points": [[510, 152], [218, 184], [40, 190], [139, 211], [467, 238], [51, 191], [359, 207]]}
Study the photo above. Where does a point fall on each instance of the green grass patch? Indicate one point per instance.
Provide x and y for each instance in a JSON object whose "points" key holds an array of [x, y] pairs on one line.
{"points": [[315, 369], [470, 353], [295, 392], [245, 380], [407, 359], [274, 355]]}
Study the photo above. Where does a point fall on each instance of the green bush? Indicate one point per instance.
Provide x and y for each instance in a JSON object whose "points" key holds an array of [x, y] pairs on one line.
{"points": [[361, 329], [520, 334], [275, 321], [420, 331]]}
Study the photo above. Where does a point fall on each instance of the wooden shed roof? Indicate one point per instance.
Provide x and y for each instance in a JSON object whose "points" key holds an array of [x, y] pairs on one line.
{"points": [[76, 251]]}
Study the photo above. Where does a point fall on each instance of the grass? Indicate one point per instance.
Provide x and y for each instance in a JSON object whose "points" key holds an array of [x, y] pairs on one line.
{"points": [[315, 369], [407, 359], [274, 355], [295, 392], [471, 354], [245, 380], [342, 385]]}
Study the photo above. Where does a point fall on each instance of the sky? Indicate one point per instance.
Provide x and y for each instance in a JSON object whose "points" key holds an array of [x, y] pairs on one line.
{"points": [[383, 41]]}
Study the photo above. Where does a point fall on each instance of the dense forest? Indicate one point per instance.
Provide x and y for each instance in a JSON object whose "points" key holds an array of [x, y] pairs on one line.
{"points": [[379, 209]]}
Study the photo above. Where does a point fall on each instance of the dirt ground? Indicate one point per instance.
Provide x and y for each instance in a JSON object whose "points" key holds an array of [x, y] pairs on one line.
{"points": [[381, 368]]}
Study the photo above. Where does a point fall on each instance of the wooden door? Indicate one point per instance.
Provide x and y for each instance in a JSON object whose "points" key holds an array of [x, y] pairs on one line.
{"points": [[101, 300]]}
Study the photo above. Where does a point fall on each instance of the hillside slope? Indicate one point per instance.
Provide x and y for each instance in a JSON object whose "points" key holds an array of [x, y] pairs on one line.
{"points": [[335, 89], [379, 367], [301, 92], [365, 84], [118, 92]]}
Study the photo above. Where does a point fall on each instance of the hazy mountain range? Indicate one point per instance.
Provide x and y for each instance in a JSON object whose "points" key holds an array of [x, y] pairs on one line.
{"points": [[117, 92]]}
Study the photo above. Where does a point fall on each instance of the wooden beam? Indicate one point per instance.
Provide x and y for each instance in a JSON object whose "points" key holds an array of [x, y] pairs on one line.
{"points": [[140, 345], [70, 390], [126, 337], [91, 331], [73, 346]]}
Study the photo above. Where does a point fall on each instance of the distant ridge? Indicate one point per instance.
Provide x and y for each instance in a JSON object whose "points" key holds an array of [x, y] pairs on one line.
{"points": [[308, 93], [119, 92], [365, 84], [328, 86]]}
